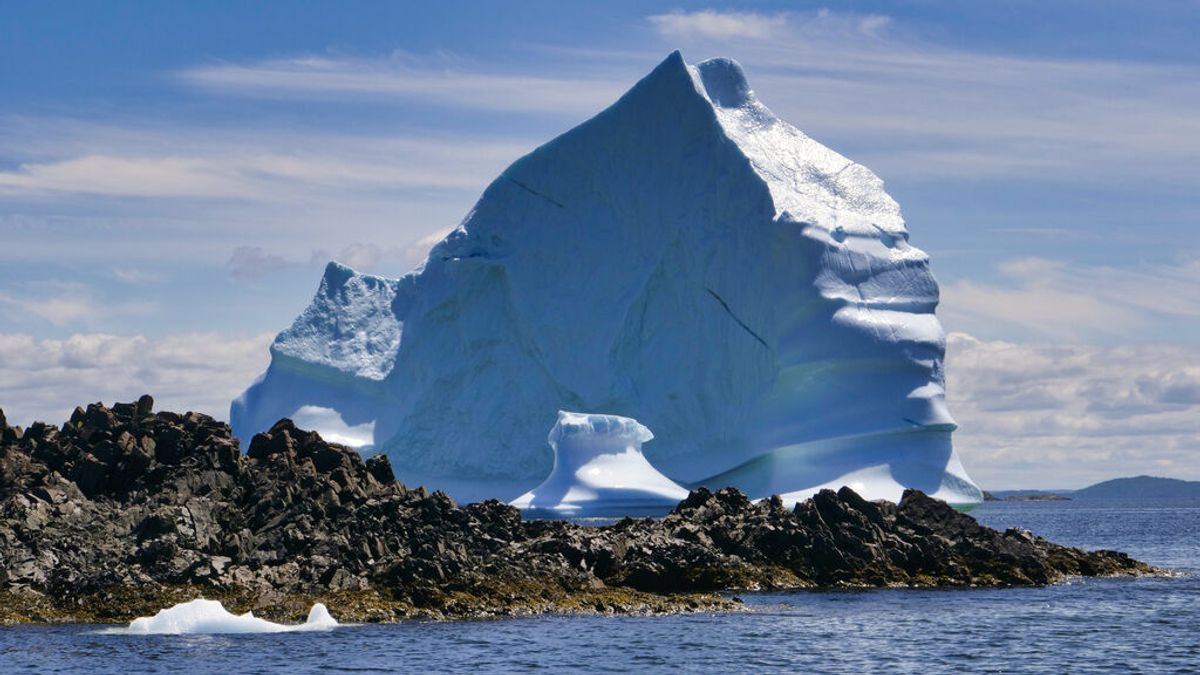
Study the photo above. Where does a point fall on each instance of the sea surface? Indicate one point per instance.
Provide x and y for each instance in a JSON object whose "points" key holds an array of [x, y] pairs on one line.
{"points": [[1105, 625]]}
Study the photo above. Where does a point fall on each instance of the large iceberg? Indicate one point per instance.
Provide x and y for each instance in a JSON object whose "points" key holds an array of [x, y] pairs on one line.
{"points": [[684, 257]]}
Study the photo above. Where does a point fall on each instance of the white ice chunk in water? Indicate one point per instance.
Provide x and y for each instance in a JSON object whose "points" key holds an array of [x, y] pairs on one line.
{"points": [[599, 470], [210, 617]]}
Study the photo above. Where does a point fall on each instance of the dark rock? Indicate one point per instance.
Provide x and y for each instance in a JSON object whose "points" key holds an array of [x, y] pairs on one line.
{"points": [[169, 444], [154, 525], [380, 467], [90, 474], [123, 500], [125, 412]]}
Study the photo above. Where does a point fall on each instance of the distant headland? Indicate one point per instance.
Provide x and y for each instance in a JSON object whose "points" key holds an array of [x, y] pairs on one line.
{"points": [[1132, 488]]}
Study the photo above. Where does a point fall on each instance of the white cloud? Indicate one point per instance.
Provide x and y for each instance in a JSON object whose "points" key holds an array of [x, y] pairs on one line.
{"points": [[134, 176], [156, 196], [737, 26], [873, 24], [416, 252], [362, 257], [45, 379], [713, 24], [1068, 415], [400, 76], [65, 304], [249, 263], [239, 163], [1030, 415], [368, 257], [133, 275], [1060, 300], [227, 173]]}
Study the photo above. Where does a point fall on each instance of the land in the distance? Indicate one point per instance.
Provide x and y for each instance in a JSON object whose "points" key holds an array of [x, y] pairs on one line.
{"points": [[1132, 488], [122, 511], [1025, 496]]}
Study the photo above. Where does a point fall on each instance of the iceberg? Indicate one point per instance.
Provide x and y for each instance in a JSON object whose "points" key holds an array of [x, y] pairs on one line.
{"points": [[684, 258], [210, 616], [600, 471]]}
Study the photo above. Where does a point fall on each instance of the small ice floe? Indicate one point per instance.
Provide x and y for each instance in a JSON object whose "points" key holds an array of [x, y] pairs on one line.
{"points": [[600, 471], [209, 616]]}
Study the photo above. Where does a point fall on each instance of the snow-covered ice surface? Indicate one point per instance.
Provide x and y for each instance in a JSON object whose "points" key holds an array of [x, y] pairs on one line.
{"points": [[600, 471], [684, 258], [210, 616]]}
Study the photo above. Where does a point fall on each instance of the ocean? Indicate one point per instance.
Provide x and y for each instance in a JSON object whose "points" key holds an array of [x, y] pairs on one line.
{"points": [[1085, 626]]}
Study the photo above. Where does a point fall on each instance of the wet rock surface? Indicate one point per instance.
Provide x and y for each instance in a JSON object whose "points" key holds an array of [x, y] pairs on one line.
{"points": [[123, 510]]}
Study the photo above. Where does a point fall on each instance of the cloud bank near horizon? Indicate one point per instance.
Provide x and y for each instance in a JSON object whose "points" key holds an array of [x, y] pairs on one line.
{"points": [[43, 380], [1030, 415], [1068, 415]]}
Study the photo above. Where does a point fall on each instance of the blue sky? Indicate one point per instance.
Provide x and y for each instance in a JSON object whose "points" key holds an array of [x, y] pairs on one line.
{"points": [[173, 176]]}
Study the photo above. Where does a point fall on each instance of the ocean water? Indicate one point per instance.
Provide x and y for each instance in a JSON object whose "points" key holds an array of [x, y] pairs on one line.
{"points": [[1101, 625]]}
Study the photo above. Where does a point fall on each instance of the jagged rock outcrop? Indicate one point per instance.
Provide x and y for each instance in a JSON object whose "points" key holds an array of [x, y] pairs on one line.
{"points": [[121, 507]]}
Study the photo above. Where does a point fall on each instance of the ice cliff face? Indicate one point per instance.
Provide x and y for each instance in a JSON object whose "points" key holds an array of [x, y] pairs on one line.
{"points": [[686, 258]]}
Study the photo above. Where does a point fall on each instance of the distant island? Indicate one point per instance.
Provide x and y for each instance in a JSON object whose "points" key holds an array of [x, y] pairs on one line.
{"points": [[1141, 487], [1026, 496], [1136, 487]]}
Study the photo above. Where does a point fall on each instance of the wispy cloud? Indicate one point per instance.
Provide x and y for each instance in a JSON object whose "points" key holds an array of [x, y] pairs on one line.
{"points": [[366, 257], [735, 25], [45, 379], [1066, 415], [1059, 300], [133, 275], [400, 76], [224, 168], [908, 106], [65, 303], [713, 24], [252, 263], [248, 263], [146, 194]]}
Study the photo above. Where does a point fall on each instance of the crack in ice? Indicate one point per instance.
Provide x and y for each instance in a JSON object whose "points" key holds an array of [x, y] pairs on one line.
{"points": [[741, 323]]}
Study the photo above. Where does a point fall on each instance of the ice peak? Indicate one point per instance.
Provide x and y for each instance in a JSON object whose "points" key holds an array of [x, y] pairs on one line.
{"points": [[672, 74], [673, 63], [351, 326], [724, 82], [719, 81], [337, 274]]}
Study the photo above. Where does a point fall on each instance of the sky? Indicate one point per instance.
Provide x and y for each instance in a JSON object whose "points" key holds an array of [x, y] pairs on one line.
{"points": [[174, 176]]}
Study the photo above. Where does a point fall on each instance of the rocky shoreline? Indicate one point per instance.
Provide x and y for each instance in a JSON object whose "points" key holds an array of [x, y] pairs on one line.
{"points": [[122, 511]]}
